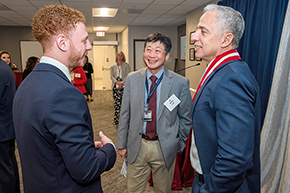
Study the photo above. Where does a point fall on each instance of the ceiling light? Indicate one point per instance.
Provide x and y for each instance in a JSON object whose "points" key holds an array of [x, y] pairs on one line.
{"points": [[101, 28], [104, 12]]}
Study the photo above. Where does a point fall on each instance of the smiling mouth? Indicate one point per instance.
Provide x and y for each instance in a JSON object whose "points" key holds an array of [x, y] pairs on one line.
{"points": [[152, 61]]}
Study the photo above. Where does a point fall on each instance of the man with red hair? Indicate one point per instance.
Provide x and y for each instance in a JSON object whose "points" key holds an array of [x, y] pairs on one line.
{"points": [[51, 117]]}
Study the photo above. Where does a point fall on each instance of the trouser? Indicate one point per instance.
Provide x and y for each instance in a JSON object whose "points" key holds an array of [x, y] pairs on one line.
{"points": [[117, 95], [149, 159], [88, 86], [9, 180]]}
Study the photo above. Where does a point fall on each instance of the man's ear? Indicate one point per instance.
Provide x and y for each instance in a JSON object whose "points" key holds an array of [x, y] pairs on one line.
{"points": [[227, 40], [62, 42], [167, 56]]}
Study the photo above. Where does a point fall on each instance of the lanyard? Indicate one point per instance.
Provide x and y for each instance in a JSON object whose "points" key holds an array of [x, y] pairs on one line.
{"points": [[153, 89], [119, 71]]}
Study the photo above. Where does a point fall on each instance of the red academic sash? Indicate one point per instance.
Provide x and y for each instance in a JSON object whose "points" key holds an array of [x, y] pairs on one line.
{"points": [[219, 60]]}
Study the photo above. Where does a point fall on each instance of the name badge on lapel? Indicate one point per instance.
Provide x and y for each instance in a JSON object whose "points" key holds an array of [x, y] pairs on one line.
{"points": [[171, 102], [77, 75]]}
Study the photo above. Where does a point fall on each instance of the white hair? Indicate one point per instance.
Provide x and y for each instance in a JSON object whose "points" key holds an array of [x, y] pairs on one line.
{"points": [[229, 21]]}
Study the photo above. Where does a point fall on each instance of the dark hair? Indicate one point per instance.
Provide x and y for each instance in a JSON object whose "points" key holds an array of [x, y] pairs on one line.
{"points": [[159, 37], [5, 52], [31, 62]]}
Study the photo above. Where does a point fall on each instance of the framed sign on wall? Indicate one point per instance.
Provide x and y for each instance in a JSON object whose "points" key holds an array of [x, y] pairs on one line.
{"points": [[182, 47]]}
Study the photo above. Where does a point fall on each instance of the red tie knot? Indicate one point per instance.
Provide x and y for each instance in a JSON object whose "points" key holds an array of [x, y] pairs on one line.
{"points": [[153, 78]]}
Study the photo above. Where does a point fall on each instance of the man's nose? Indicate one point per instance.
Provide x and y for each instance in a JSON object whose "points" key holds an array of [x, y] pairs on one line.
{"points": [[194, 36], [89, 45]]}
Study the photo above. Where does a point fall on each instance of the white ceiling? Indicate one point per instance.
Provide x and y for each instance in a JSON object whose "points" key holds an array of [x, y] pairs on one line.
{"points": [[130, 12]]}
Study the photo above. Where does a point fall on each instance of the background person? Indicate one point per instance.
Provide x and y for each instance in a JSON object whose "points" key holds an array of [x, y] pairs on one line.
{"points": [[9, 180], [55, 137], [6, 57], [88, 68], [79, 79], [153, 124], [226, 109], [119, 72], [30, 64]]}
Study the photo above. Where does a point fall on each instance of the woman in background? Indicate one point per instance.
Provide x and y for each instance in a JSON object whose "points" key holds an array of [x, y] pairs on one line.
{"points": [[5, 56], [118, 74], [30, 64], [78, 78], [88, 68]]}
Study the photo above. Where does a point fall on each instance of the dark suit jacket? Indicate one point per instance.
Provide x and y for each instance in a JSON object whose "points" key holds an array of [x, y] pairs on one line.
{"points": [[55, 137], [7, 91], [226, 123]]}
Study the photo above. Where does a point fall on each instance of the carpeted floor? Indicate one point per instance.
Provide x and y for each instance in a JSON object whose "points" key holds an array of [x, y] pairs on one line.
{"points": [[102, 112]]}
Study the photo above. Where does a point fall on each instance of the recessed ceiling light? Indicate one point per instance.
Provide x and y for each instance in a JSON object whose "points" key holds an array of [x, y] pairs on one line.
{"points": [[101, 28], [104, 12]]}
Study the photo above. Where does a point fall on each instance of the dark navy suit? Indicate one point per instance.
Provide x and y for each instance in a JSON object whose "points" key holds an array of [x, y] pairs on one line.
{"points": [[9, 180], [226, 123], [55, 137]]}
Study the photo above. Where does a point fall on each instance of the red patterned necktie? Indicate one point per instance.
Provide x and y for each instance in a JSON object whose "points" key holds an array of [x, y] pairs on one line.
{"points": [[151, 125]]}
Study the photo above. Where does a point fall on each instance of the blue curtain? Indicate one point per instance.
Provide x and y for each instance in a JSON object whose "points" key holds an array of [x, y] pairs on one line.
{"points": [[259, 45]]}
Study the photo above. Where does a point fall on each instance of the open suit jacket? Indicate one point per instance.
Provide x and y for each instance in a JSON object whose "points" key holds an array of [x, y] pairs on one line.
{"points": [[125, 71], [55, 137], [226, 124], [172, 127]]}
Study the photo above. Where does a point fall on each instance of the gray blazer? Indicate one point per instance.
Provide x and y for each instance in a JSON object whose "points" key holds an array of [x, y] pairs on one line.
{"points": [[125, 71], [172, 127]]}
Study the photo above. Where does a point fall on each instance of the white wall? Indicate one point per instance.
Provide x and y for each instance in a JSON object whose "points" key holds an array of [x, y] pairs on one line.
{"points": [[141, 32]]}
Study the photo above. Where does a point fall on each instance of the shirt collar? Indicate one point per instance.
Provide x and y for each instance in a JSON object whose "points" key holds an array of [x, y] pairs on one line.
{"points": [[59, 65], [158, 74]]}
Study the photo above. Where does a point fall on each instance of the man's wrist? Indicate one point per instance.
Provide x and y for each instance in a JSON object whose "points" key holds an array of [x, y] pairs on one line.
{"points": [[113, 145]]}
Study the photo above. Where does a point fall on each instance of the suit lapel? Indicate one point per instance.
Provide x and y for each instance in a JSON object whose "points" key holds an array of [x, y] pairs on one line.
{"points": [[204, 85], [140, 83], [165, 88]]}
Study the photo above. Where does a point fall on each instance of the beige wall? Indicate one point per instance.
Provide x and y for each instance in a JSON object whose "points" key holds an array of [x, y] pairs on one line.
{"points": [[123, 43], [107, 37], [194, 74]]}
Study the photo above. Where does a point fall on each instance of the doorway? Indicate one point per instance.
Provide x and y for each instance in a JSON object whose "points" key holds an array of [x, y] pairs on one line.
{"points": [[103, 57]]}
